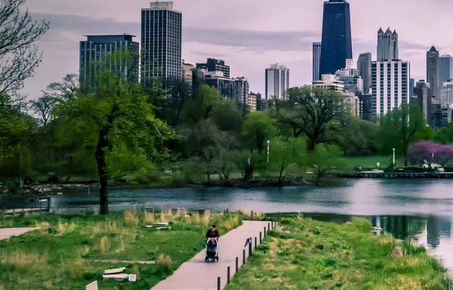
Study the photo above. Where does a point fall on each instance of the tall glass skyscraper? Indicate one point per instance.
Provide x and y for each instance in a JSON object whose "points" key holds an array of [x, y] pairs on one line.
{"points": [[98, 51], [336, 36], [161, 43], [445, 69], [316, 60], [432, 71]]}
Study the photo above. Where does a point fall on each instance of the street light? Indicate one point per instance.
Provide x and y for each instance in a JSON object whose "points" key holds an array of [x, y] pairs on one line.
{"points": [[268, 147], [394, 158]]}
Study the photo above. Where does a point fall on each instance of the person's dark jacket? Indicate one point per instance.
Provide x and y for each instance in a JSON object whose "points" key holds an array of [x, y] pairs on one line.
{"points": [[212, 233]]}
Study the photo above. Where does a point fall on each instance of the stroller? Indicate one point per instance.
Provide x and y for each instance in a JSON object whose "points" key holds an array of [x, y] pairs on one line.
{"points": [[212, 250]]}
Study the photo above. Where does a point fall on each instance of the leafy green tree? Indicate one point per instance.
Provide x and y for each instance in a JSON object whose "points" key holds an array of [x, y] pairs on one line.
{"points": [[258, 128], [323, 160], [115, 114], [401, 127], [287, 156], [356, 138], [445, 135], [312, 112]]}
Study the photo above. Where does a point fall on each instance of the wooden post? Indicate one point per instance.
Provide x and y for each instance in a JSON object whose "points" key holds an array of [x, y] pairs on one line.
{"points": [[219, 286], [261, 237], [264, 235], [237, 265], [243, 257], [250, 248], [256, 243], [268, 227], [228, 275]]}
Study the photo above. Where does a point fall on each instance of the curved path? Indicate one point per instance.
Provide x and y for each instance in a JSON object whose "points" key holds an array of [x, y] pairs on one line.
{"points": [[195, 274], [7, 233]]}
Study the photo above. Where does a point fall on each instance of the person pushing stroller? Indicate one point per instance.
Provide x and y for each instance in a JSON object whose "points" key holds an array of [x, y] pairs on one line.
{"points": [[212, 240]]}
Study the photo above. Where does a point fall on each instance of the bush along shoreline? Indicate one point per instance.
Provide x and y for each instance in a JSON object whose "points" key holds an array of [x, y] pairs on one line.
{"points": [[306, 254]]}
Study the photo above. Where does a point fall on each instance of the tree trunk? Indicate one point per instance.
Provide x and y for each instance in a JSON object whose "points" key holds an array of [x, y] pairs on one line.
{"points": [[102, 170]]}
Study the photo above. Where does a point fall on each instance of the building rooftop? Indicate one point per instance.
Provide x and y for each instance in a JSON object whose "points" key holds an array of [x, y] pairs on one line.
{"points": [[109, 38]]}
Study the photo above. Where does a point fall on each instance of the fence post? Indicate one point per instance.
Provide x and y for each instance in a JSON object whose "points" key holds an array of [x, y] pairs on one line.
{"points": [[243, 257], [228, 275], [264, 235], [256, 243], [250, 248], [219, 287], [237, 265], [268, 227], [261, 237]]}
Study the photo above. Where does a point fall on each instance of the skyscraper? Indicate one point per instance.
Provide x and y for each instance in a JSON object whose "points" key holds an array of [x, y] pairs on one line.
{"points": [[277, 82], [336, 36], [387, 47], [95, 53], [446, 94], [161, 43], [432, 71], [364, 70], [445, 69], [316, 60], [423, 96], [389, 85]]}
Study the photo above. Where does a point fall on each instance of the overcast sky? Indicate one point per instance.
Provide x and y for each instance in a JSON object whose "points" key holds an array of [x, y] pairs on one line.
{"points": [[248, 34]]}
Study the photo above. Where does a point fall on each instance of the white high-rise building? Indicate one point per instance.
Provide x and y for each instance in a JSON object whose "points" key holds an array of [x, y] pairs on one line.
{"points": [[316, 61], [390, 85], [446, 94], [277, 82], [387, 47]]}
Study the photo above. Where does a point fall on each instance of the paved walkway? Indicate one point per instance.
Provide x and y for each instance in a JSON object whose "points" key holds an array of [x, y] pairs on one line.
{"points": [[9, 232], [195, 274]]}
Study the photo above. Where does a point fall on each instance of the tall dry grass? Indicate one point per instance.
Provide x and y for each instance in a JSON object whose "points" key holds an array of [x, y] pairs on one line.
{"points": [[130, 219], [65, 228], [23, 260], [148, 217], [163, 263], [104, 245]]}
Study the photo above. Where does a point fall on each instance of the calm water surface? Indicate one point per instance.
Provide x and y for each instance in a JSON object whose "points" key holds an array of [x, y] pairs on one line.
{"points": [[418, 209]]}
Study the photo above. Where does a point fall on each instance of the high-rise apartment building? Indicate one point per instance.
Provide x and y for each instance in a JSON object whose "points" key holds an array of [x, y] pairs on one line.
{"points": [[316, 61], [445, 69], [422, 95], [336, 45], [161, 42], [364, 70], [213, 64], [432, 71], [446, 94], [389, 85], [277, 82], [387, 47], [117, 52]]}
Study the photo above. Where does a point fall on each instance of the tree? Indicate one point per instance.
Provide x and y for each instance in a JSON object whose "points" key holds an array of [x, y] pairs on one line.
{"points": [[312, 112], [357, 137], [401, 127], [323, 160], [445, 135], [19, 57], [115, 114], [258, 128], [430, 152], [43, 108], [286, 156]]}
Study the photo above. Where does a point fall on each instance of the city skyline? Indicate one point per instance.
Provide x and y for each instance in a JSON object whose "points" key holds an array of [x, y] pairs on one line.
{"points": [[248, 45]]}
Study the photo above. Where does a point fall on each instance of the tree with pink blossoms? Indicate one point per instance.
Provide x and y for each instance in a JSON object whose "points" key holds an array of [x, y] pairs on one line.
{"points": [[430, 152]]}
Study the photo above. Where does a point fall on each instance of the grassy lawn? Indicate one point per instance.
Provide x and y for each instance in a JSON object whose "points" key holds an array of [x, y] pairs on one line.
{"points": [[62, 253], [307, 254], [349, 163]]}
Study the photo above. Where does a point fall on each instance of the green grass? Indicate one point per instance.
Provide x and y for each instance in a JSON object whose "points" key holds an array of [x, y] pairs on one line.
{"points": [[61, 254], [307, 254], [349, 163]]}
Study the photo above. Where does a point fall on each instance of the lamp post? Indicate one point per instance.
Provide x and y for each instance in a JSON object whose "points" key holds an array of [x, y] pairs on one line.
{"points": [[394, 158], [268, 147]]}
